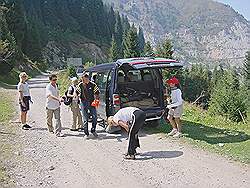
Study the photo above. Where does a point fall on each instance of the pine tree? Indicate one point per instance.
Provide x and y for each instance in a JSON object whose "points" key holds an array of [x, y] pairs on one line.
{"points": [[246, 70], [148, 50], [165, 50], [131, 46], [141, 40], [16, 21], [113, 52], [119, 34]]}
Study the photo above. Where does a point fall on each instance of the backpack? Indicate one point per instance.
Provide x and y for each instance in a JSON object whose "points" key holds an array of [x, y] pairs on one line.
{"points": [[68, 100]]}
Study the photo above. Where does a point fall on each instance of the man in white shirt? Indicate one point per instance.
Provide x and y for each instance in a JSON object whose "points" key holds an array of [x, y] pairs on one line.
{"points": [[131, 119], [53, 104]]}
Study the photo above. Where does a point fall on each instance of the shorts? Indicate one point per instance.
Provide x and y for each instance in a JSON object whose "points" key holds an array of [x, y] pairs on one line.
{"points": [[176, 112], [26, 100]]}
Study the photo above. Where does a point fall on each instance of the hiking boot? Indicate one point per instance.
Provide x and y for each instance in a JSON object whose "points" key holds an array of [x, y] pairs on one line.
{"points": [[177, 135], [95, 134], [129, 157], [173, 132]]}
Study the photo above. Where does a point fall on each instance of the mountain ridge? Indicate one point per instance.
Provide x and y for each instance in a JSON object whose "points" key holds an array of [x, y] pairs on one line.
{"points": [[201, 30]]}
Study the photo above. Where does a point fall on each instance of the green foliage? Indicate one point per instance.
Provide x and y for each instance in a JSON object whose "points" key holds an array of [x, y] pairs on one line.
{"points": [[165, 50], [71, 71], [246, 70], [131, 45], [228, 98], [148, 50], [88, 64], [113, 52], [141, 40]]}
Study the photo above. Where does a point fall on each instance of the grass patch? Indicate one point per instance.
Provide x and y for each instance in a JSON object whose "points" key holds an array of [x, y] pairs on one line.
{"points": [[6, 108], [213, 133]]}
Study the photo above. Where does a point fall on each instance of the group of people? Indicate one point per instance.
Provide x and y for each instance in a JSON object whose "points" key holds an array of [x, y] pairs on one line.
{"points": [[83, 96]]}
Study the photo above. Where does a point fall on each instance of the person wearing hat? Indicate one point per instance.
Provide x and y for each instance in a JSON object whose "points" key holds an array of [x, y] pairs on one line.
{"points": [[74, 106], [24, 98], [89, 92], [132, 120], [175, 108]]}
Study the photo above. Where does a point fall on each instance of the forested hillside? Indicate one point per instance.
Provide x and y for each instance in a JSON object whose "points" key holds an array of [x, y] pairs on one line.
{"points": [[46, 32]]}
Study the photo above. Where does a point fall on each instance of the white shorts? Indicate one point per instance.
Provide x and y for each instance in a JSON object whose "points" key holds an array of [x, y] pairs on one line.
{"points": [[176, 112]]}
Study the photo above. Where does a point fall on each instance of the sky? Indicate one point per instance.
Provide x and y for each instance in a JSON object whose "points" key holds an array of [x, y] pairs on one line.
{"points": [[241, 6]]}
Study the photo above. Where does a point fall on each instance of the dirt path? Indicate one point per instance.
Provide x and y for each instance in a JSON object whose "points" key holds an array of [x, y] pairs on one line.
{"points": [[47, 161]]}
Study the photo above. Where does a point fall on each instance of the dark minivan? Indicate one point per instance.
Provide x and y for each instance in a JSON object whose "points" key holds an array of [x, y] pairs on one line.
{"points": [[136, 82]]}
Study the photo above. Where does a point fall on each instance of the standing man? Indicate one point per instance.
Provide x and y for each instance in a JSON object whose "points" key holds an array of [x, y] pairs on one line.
{"points": [[88, 93], [53, 104], [131, 119]]}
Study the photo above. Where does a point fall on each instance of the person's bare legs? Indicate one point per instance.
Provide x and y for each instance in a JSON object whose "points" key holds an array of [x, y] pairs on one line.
{"points": [[172, 121], [23, 117], [178, 123]]}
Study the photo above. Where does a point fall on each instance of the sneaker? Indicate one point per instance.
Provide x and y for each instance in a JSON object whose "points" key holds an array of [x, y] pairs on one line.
{"points": [[24, 127], [129, 157], [28, 126], [173, 132], [177, 135], [86, 137], [95, 134], [60, 134], [80, 129]]}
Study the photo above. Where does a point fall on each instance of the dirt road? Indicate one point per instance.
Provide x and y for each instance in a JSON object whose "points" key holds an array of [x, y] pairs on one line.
{"points": [[47, 161]]}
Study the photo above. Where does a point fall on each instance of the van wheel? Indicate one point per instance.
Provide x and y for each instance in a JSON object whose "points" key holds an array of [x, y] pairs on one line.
{"points": [[154, 123]]}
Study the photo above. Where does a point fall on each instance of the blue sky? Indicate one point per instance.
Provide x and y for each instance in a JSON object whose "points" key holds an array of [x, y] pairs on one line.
{"points": [[241, 6]]}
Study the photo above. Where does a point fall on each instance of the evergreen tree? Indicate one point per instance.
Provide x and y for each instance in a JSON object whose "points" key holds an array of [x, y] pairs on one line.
{"points": [[227, 99], [246, 70], [141, 40], [131, 45], [165, 50], [148, 50], [16, 21], [119, 34], [113, 52]]}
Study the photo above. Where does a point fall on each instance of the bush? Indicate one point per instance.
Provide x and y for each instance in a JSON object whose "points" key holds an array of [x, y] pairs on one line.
{"points": [[71, 71], [228, 98]]}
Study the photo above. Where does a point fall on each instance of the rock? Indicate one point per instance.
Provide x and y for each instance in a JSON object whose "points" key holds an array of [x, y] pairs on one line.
{"points": [[40, 183], [221, 145], [51, 168]]}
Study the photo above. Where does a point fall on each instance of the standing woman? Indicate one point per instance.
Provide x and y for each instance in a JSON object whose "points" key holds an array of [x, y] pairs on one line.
{"points": [[175, 107], [24, 98]]}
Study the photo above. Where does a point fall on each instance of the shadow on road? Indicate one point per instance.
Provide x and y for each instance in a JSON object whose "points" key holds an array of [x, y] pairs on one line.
{"points": [[159, 155], [213, 135]]}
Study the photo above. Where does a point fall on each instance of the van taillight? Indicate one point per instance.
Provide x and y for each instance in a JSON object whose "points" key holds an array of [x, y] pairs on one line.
{"points": [[116, 99]]}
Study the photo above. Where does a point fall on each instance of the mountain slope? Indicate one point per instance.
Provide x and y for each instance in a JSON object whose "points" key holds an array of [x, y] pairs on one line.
{"points": [[201, 30]]}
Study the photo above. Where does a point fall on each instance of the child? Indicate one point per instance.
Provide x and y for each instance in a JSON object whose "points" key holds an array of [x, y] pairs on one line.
{"points": [[77, 116], [24, 98], [175, 107]]}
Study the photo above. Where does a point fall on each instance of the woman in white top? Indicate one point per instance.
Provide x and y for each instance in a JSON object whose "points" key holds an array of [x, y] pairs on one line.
{"points": [[175, 108], [24, 98]]}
